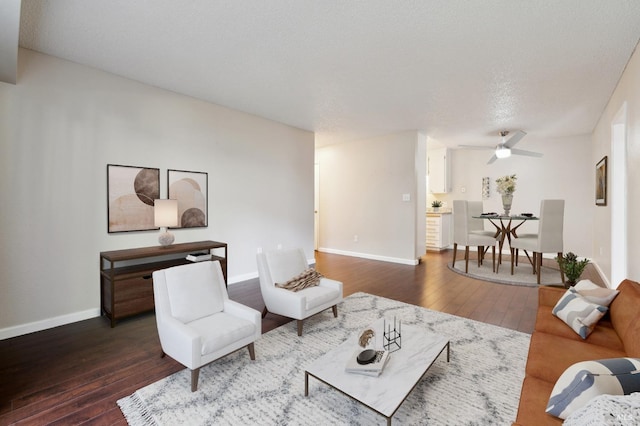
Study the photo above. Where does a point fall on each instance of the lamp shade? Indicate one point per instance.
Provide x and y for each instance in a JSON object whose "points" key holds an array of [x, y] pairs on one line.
{"points": [[165, 213]]}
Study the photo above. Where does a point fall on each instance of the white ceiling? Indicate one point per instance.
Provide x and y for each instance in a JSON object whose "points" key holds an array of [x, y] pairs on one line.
{"points": [[459, 70]]}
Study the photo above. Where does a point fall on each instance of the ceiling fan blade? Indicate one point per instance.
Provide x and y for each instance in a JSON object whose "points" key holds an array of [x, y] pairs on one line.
{"points": [[492, 159], [476, 147], [515, 139], [527, 153]]}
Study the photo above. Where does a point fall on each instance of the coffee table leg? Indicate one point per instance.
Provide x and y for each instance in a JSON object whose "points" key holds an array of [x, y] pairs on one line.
{"points": [[306, 384], [448, 350]]}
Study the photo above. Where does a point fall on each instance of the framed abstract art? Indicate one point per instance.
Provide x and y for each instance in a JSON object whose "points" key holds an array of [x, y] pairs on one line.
{"points": [[131, 192], [190, 189]]}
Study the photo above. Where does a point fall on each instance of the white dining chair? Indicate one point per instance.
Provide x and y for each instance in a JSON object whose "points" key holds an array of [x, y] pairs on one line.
{"points": [[549, 238], [464, 235]]}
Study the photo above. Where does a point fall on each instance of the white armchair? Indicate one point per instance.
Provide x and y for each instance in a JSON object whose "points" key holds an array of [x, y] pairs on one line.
{"points": [[279, 266], [197, 322]]}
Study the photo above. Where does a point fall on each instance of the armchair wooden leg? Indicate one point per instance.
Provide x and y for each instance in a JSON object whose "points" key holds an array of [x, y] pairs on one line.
{"points": [[300, 322], [334, 308], [264, 312], [252, 351], [455, 250], [480, 255], [194, 379]]}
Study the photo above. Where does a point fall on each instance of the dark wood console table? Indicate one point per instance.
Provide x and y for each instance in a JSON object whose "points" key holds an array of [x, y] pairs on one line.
{"points": [[126, 285]]}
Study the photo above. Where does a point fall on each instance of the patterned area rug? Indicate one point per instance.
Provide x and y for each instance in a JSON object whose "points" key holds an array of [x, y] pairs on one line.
{"points": [[479, 386], [522, 274]]}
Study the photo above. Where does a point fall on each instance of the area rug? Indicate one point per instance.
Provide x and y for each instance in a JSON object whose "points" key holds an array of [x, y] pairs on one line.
{"points": [[522, 275], [479, 386]]}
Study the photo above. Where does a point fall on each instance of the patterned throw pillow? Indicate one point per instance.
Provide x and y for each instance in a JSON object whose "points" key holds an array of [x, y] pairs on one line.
{"points": [[594, 293], [585, 380], [578, 313], [309, 278]]}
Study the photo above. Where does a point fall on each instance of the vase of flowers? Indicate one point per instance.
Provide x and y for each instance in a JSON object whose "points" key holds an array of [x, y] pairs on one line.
{"points": [[506, 186]]}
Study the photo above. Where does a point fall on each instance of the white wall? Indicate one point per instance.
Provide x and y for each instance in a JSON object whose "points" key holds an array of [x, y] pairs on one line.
{"points": [[361, 188], [628, 90], [564, 172], [59, 128]]}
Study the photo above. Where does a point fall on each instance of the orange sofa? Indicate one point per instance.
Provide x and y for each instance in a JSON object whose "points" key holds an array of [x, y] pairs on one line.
{"points": [[555, 347]]}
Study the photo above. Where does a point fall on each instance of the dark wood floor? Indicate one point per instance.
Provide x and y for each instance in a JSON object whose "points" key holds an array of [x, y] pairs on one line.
{"points": [[75, 373]]}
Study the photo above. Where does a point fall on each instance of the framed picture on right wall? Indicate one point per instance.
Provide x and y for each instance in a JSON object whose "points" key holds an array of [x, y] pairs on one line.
{"points": [[601, 182]]}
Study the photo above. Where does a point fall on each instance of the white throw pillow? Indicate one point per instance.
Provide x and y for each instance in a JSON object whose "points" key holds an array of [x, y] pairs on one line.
{"points": [[585, 380], [193, 291], [594, 293], [578, 313]]}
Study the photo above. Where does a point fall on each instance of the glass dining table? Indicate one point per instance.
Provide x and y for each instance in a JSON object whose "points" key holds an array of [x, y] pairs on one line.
{"points": [[506, 227]]}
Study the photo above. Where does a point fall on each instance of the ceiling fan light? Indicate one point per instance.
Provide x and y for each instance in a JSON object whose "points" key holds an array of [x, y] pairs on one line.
{"points": [[503, 152]]}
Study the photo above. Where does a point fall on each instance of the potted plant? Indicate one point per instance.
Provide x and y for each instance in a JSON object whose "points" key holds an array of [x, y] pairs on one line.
{"points": [[572, 267], [436, 204]]}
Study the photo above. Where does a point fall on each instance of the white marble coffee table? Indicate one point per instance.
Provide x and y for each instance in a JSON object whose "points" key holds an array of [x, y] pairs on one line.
{"points": [[383, 394]]}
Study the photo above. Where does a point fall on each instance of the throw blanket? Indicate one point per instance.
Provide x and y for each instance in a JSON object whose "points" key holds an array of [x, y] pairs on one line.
{"points": [[309, 278]]}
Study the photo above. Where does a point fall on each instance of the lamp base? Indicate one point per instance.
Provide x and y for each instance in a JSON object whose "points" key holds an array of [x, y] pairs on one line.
{"points": [[166, 238]]}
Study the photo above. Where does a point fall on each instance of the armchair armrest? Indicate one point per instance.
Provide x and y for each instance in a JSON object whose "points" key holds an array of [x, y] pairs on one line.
{"points": [[549, 296], [328, 282], [180, 342], [245, 312]]}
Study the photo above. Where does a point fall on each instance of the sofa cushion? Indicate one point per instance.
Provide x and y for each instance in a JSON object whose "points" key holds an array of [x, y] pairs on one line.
{"points": [[602, 335], [578, 313], [550, 355], [585, 380], [220, 330], [594, 293], [193, 291]]}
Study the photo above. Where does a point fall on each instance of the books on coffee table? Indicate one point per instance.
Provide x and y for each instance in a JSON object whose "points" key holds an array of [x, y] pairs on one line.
{"points": [[373, 368]]}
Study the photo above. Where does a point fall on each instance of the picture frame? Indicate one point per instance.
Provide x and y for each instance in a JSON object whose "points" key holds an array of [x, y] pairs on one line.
{"points": [[131, 192], [191, 191], [601, 182]]}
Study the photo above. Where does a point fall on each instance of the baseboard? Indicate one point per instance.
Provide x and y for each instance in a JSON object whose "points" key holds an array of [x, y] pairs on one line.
{"points": [[242, 278], [32, 327], [411, 262]]}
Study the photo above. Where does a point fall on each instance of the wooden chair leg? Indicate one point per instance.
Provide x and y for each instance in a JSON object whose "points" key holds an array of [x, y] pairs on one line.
{"points": [[513, 251], [334, 308], [252, 351], [561, 271], [480, 254], [493, 254], [194, 379], [300, 322], [264, 312], [455, 250], [539, 266], [466, 259]]}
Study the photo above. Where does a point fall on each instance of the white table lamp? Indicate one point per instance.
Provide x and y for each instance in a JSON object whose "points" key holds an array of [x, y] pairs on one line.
{"points": [[165, 215]]}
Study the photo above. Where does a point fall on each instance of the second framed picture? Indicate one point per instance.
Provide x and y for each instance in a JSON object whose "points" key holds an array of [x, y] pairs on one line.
{"points": [[190, 189]]}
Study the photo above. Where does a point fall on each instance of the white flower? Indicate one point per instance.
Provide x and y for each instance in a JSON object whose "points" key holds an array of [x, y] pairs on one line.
{"points": [[506, 184]]}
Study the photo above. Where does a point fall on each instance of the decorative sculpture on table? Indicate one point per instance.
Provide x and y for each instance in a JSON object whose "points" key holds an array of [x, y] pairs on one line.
{"points": [[392, 338], [506, 186]]}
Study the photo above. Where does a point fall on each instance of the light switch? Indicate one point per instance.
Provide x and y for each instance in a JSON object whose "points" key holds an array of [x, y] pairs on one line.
{"points": [[406, 197]]}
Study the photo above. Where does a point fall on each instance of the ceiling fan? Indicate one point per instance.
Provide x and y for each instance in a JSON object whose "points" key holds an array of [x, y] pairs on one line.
{"points": [[505, 148]]}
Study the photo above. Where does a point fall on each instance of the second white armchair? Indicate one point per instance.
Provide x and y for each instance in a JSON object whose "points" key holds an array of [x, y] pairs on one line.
{"points": [[279, 266]]}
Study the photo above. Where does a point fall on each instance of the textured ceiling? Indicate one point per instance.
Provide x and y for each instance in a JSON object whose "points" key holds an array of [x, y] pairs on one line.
{"points": [[459, 70]]}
